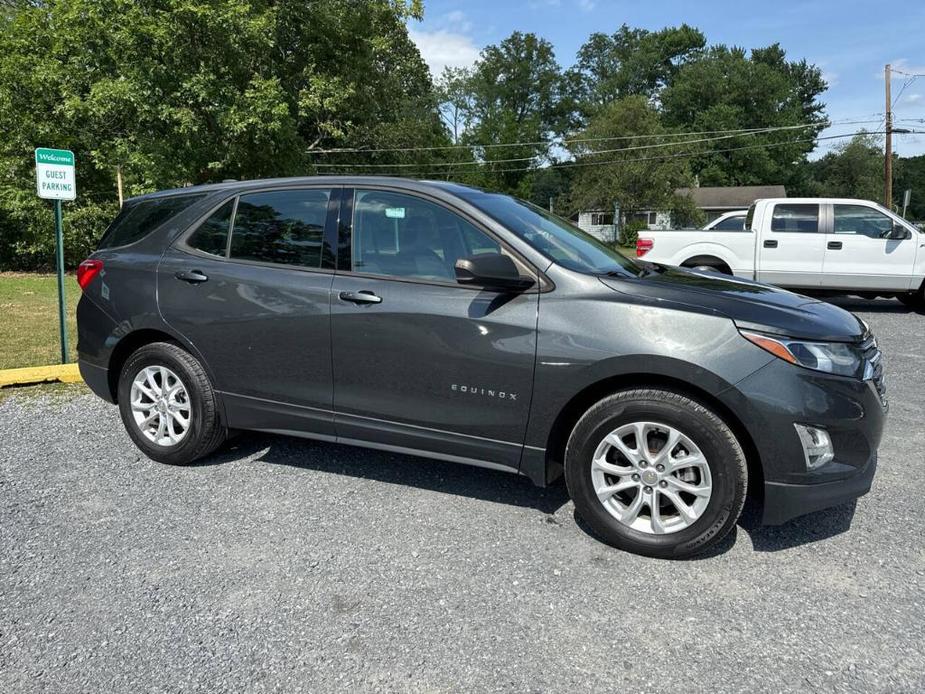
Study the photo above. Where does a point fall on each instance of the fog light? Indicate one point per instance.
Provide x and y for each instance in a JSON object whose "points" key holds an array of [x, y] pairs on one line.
{"points": [[817, 446]]}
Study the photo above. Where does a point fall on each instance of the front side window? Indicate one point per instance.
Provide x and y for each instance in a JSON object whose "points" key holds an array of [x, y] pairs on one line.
{"points": [[552, 236], [138, 219], [212, 235], [281, 226], [862, 220], [795, 218], [400, 235]]}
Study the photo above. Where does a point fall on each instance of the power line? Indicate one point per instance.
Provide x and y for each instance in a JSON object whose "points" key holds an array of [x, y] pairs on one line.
{"points": [[908, 74], [589, 153], [574, 140], [423, 170]]}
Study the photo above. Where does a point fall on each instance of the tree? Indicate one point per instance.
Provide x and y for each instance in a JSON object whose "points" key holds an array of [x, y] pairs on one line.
{"points": [[910, 174], [514, 96], [853, 170], [631, 62], [634, 179], [174, 92], [727, 89]]}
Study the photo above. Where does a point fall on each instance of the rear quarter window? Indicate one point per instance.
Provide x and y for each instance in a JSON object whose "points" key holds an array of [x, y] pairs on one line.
{"points": [[138, 219]]}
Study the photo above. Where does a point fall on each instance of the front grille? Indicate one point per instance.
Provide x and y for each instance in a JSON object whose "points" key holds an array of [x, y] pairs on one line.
{"points": [[874, 369]]}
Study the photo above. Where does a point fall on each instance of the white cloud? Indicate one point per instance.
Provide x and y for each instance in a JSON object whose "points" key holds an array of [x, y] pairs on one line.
{"points": [[831, 78], [586, 5], [443, 48], [911, 99]]}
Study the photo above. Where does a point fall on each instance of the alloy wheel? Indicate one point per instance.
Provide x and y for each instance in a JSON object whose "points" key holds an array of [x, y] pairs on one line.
{"points": [[160, 405], [651, 477]]}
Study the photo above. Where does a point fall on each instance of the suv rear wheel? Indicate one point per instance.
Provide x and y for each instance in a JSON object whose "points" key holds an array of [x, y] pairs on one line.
{"points": [[656, 473], [168, 406]]}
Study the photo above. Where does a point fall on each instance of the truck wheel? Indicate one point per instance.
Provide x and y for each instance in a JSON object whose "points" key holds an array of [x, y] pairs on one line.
{"points": [[656, 473], [707, 264], [914, 300], [168, 406]]}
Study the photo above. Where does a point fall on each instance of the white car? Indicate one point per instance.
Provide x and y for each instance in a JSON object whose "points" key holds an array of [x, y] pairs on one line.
{"points": [[842, 245]]}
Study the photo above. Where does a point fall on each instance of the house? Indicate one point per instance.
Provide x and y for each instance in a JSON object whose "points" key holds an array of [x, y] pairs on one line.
{"points": [[717, 200], [713, 200]]}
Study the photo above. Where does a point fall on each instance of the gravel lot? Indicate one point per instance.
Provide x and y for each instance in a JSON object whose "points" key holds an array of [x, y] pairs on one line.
{"points": [[285, 565]]}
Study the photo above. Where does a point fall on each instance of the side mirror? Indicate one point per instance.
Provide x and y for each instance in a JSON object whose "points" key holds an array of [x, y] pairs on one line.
{"points": [[491, 270], [898, 233]]}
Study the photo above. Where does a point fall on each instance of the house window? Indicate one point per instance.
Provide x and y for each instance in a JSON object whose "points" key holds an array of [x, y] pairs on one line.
{"points": [[647, 218], [601, 219]]}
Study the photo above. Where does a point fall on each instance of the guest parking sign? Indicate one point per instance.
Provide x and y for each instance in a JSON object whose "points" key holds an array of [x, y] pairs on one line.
{"points": [[54, 174]]}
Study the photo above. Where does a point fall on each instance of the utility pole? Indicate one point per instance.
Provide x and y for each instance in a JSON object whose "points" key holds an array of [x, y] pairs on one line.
{"points": [[888, 143]]}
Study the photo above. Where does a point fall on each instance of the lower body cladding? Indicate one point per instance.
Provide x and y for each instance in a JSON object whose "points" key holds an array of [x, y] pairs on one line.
{"points": [[816, 436]]}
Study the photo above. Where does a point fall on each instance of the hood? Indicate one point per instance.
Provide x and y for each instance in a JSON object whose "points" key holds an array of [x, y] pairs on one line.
{"points": [[751, 305]]}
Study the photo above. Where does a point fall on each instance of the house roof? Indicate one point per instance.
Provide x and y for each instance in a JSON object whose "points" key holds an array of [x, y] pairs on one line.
{"points": [[731, 197]]}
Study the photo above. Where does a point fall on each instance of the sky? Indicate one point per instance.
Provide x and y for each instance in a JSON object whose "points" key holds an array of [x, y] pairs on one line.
{"points": [[849, 41]]}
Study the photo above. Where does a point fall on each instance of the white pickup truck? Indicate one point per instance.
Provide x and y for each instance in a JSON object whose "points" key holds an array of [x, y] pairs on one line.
{"points": [[827, 244]]}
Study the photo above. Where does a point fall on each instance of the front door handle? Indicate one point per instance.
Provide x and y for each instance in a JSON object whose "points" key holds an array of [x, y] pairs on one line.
{"points": [[770, 244], [834, 245], [364, 296], [192, 276]]}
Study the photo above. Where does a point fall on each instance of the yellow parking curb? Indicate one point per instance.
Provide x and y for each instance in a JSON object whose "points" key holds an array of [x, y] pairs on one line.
{"points": [[64, 373]]}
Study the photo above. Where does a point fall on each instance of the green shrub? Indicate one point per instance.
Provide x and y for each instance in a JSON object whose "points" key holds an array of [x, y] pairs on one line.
{"points": [[629, 232]]}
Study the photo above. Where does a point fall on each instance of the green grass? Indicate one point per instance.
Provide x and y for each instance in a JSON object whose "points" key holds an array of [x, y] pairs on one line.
{"points": [[29, 319]]}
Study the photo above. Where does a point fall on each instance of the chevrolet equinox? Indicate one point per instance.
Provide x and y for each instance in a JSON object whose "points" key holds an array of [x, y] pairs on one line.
{"points": [[453, 323]]}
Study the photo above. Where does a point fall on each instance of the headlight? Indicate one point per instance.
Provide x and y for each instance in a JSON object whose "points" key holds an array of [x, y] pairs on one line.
{"points": [[839, 358]]}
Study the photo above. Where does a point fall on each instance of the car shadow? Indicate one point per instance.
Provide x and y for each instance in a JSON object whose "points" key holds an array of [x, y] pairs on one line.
{"points": [[393, 468], [804, 530], [501, 487], [854, 303]]}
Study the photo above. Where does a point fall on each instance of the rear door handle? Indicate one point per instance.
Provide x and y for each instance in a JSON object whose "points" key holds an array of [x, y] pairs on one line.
{"points": [[364, 296], [770, 244], [834, 245], [192, 276]]}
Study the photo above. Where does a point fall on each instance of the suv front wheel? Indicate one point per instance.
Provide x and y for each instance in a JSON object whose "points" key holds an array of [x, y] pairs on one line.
{"points": [[168, 405], [656, 473]]}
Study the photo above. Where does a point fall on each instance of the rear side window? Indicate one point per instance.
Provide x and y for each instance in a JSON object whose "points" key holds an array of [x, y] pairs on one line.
{"points": [[212, 235], [797, 218], [283, 226], [736, 223], [138, 219]]}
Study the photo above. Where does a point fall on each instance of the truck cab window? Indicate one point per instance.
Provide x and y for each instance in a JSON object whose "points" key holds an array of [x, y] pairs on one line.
{"points": [[795, 217]]}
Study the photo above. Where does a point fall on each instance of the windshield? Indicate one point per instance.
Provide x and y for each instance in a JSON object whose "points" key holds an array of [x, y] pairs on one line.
{"points": [[557, 239]]}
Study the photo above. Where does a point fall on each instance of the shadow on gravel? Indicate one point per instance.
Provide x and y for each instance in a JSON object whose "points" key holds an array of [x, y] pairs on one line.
{"points": [[854, 303], [393, 468], [804, 530], [501, 487]]}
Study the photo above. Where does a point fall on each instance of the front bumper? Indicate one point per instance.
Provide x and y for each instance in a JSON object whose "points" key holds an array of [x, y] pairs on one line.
{"points": [[779, 395], [783, 501]]}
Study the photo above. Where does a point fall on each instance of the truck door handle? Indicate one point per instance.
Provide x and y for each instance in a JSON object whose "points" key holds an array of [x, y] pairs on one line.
{"points": [[834, 245], [192, 276], [770, 244], [364, 296]]}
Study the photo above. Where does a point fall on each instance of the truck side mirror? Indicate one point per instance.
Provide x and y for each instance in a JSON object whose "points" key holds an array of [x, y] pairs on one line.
{"points": [[898, 233]]}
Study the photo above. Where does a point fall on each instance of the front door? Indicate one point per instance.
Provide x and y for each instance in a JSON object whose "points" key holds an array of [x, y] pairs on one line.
{"points": [[792, 246], [256, 306], [858, 256], [421, 362]]}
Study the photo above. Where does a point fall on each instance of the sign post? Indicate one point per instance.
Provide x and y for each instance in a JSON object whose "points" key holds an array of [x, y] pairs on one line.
{"points": [[55, 180]]}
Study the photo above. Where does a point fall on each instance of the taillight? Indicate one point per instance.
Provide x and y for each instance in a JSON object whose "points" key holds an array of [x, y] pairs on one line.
{"points": [[643, 246], [87, 270]]}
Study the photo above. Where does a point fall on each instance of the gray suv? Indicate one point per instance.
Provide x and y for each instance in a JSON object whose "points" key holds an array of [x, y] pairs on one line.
{"points": [[454, 323]]}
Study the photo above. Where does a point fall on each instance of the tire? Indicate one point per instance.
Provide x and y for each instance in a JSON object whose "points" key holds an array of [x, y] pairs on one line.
{"points": [[195, 397], [914, 300], [711, 515]]}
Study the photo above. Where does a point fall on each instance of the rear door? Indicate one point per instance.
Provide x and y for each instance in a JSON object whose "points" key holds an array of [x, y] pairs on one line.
{"points": [[255, 303], [858, 256], [791, 247], [421, 362]]}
